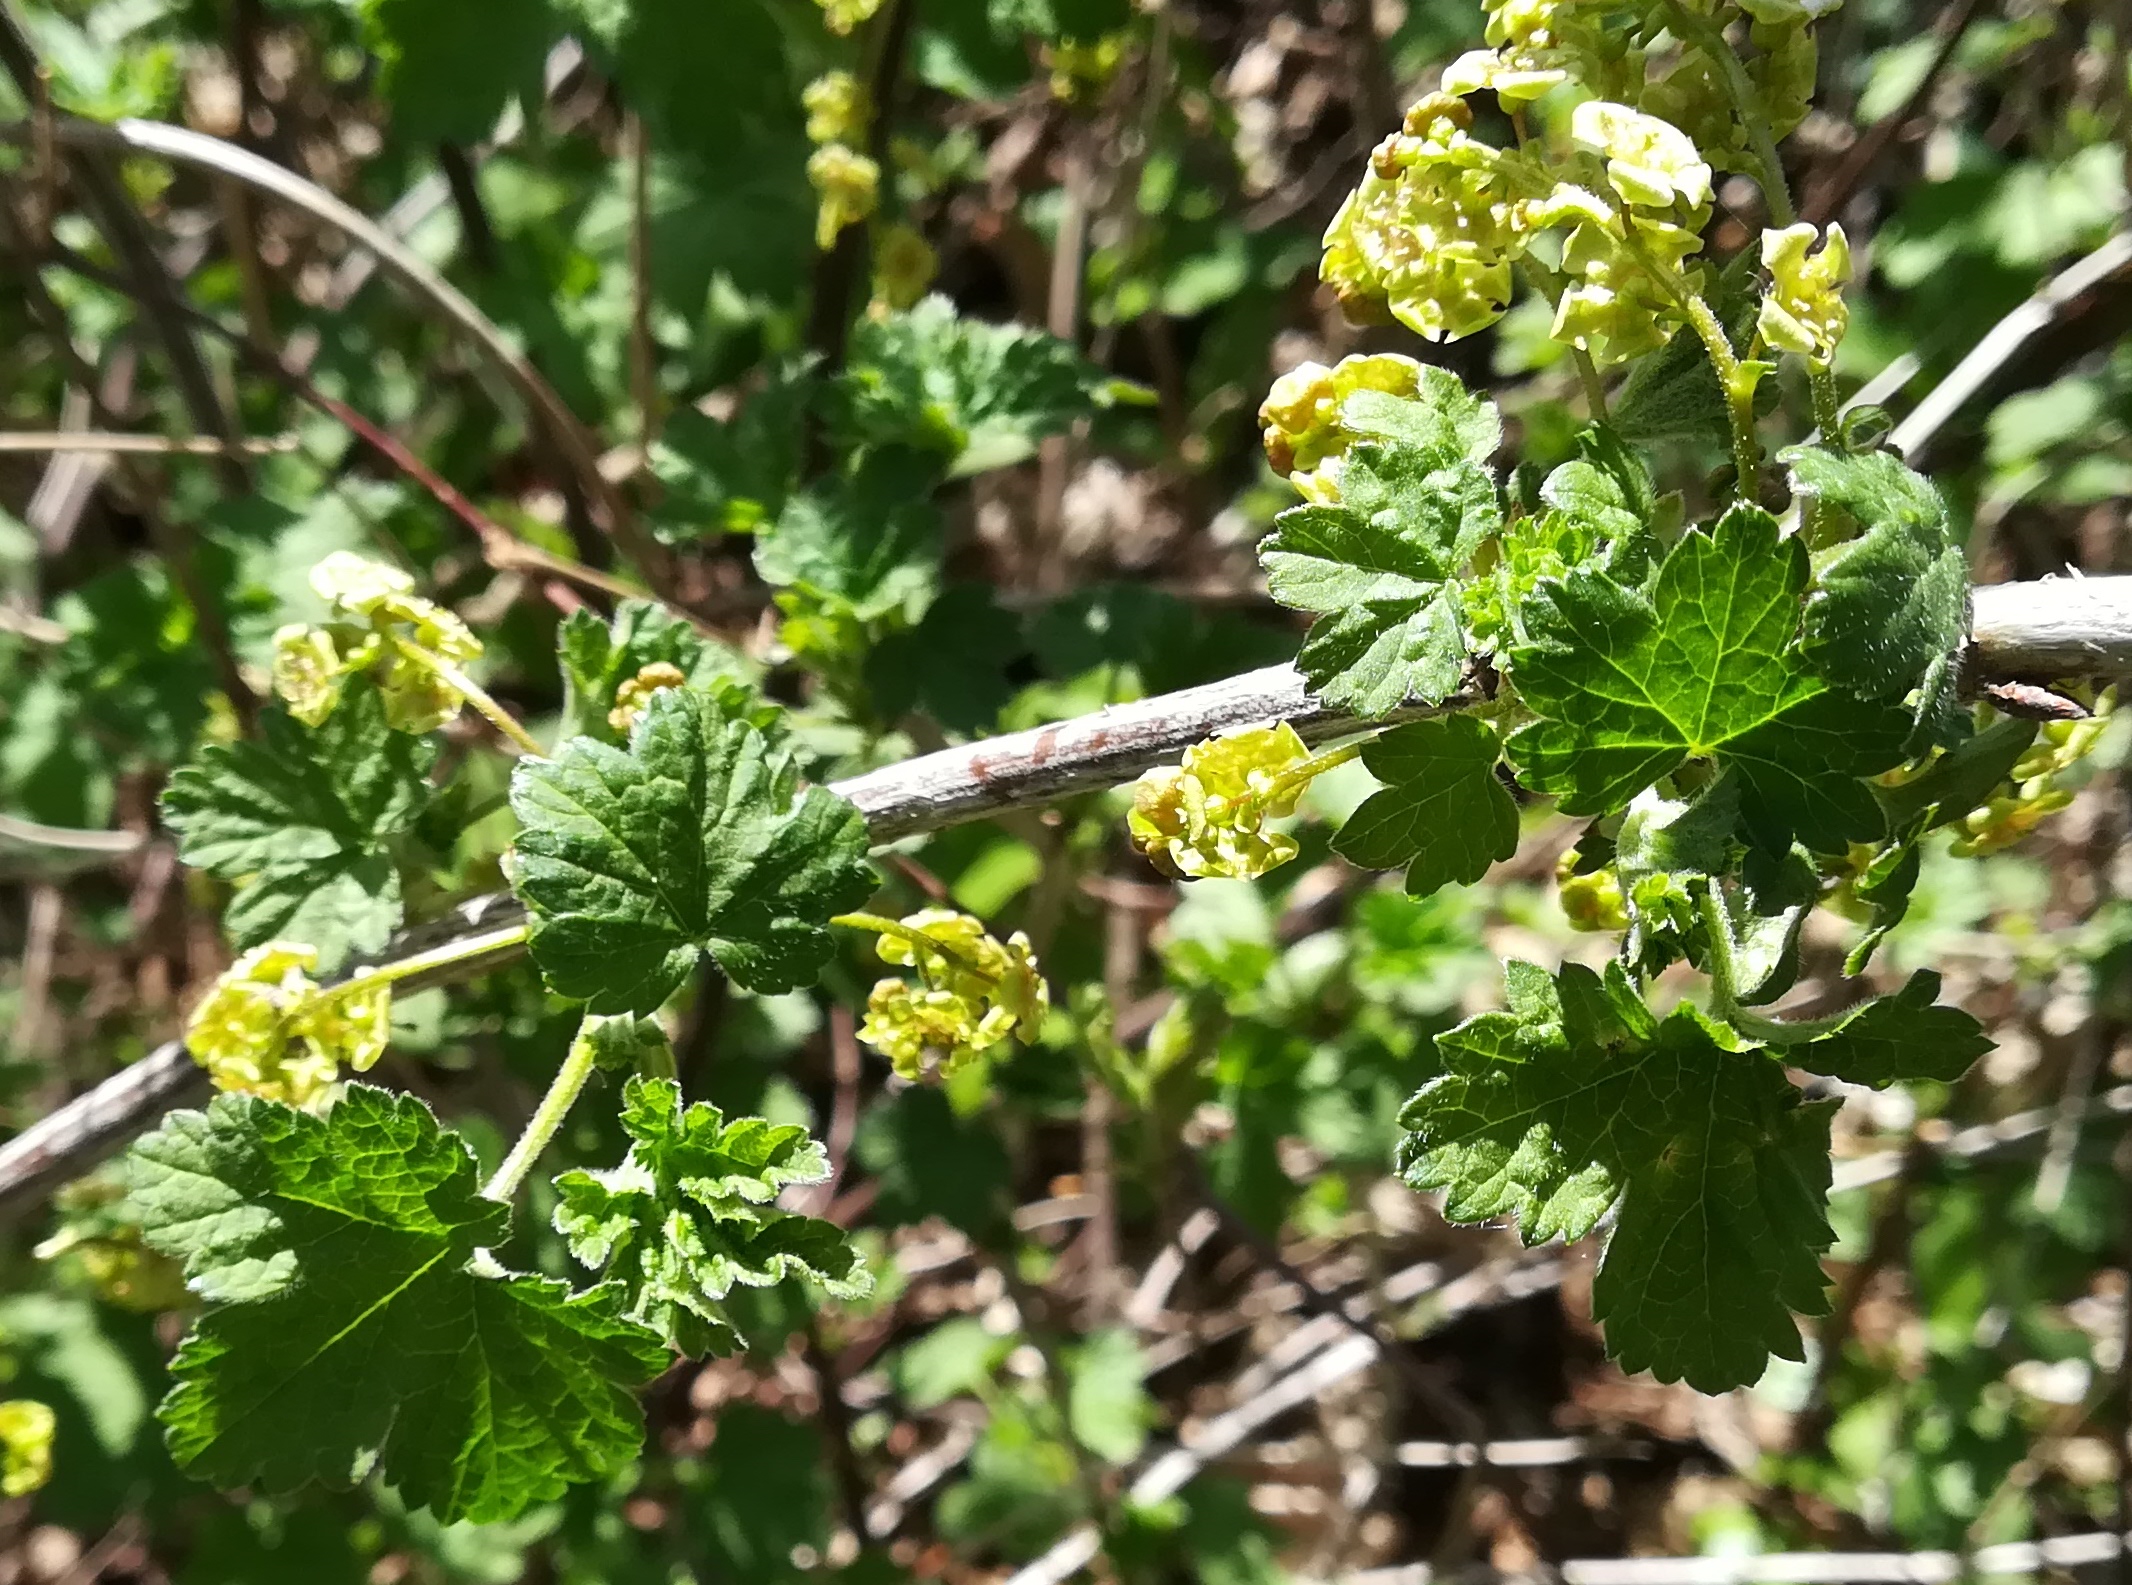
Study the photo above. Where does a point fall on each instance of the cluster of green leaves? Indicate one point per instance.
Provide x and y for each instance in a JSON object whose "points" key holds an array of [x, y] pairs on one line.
{"points": [[1725, 706]]}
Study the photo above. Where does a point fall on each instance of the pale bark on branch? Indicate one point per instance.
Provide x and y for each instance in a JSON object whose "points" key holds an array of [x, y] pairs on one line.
{"points": [[2056, 627]]}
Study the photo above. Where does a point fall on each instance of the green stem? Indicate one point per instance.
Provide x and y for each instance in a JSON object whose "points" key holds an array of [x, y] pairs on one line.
{"points": [[917, 940], [1732, 73], [547, 1117], [1735, 379], [1724, 970], [466, 949], [1782, 1032], [1828, 408], [1594, 387], [476, 695], [1297, 777]]}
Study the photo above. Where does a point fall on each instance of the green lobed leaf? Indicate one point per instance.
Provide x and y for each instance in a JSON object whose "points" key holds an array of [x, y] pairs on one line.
{"points": [[696, 838], [983, 393], [1380, 568], [354, 1318], [1631, 686], [1586, 518], [1895, 1038], [598, 657], [1572, 1104], [864, 544], [306, 817], [1890, 608], [688, 1215], [1442, 813]]}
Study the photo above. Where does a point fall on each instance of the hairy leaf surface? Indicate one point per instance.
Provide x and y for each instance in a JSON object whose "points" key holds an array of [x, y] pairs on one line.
{"points": [[353, 1319], [688, 1215], [696, 838]]}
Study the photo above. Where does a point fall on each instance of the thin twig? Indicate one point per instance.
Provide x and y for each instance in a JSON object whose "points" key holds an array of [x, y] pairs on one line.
{"points": [[111, 444], [1915, 432], [185, 147]]}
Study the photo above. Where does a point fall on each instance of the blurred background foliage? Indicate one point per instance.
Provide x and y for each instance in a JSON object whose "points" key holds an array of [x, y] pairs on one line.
{"points": [[1144, 1233]]}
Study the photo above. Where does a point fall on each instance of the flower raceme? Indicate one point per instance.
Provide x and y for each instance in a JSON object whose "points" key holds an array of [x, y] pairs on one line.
{"points": [[1208, 816], [1803, 310], [848, 185], [412, 646], [971, 992], [1306, 442], [267, 1028]]}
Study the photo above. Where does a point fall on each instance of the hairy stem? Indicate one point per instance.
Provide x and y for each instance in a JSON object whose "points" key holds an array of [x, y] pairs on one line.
{"points": [[1732, 74], [1723, 969], [547, 1117], [476, 695], [1828, 406]]}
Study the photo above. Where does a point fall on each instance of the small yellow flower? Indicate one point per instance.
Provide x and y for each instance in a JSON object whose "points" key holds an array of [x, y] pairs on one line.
{"points": [[1208, 816], [267, 1028], [375, 613], [1433, 232], [1803, 311], [636, 692], [1592, 899], [837, 110], [841, 16], [972, 992], [904, 267], [1305, 439], [849, 187], [26, 1428], [1649, 162]]}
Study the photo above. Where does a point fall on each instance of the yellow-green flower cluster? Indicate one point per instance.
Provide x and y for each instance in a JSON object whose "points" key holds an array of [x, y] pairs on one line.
{"points": [[1081, 71], [971, 992], [381, 626], [847, 187], [636, 692], [1433, 233], [1803, 310], [1208, 816], [842, 16], [26, 1428], [101, 1242], [1306, 442], [904, 267], [836, 108], [1537, 45], [2037, 787], [1592, 899], [267, 1028]]}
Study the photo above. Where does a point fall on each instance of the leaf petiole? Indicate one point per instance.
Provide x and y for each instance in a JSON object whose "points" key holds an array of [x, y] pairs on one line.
{"points": [[547, 1118], [460, 950], [916, 940], [476, 695]]}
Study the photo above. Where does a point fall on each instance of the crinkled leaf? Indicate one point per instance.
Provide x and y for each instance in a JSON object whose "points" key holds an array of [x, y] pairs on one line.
{"points": [[866, 543], [306, 816], [1890, 608], [1895, 1038], [1704, 666], [687, 1216], [1560, 1110], [1763, 916], [1380, 570], [350, 1320], [1442, 418], [983, 393], [598, 657], [1442, 812], [696, 838]]}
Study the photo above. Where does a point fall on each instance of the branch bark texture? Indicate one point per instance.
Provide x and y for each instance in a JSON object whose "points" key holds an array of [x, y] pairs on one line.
{"points": [[2056, 627]]}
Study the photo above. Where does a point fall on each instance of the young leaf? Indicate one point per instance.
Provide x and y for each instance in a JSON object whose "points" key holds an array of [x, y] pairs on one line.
{"points": [[306, 817], [598, 657], [863, 546], [697, 838], [1891, 607], [983, 393], [687, 1215], [1632, 686], [353, 1316], [1898, 1037], [1559, 1110], [1443, 813], [1380, 570]]}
